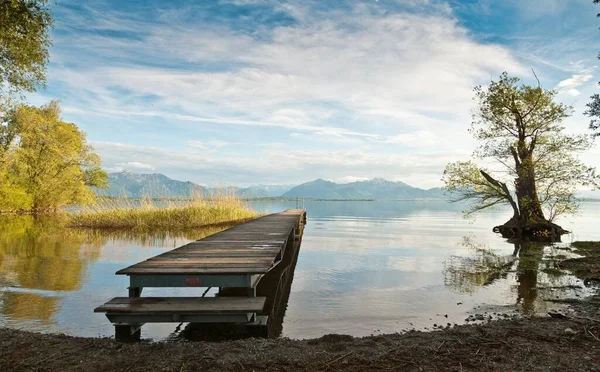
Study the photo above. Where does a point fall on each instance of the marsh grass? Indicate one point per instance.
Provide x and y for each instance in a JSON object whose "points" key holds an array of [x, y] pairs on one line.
{"points": [[221, 208]]}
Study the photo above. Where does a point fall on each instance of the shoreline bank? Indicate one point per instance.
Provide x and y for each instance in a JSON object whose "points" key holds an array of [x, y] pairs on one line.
{"points": [[567, 342]]}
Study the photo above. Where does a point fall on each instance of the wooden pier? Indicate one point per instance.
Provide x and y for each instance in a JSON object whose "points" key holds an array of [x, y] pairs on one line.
{"points": [[236, 258]]}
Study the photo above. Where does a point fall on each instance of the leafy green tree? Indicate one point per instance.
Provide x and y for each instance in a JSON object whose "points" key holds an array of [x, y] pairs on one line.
{"points": [[536, 167], [24, 43], [49, 160]]}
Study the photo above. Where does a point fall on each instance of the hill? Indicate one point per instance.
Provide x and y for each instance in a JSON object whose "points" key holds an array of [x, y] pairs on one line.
{"points": [[377, 188], [155, 185], [263, 191], [135, 185]]}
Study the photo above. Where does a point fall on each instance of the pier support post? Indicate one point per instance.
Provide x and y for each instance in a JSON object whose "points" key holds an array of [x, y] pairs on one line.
{"points": [[135, 291], [127, 333]]}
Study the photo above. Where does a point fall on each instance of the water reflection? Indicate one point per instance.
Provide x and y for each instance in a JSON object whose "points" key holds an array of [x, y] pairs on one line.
{"points": [[531, 265], [530, 259], [364, 268], [482, 268], [29, 306], [41, 261], [37, 254]]}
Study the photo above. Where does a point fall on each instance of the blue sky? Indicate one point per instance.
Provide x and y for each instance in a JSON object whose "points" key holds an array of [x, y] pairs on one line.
{"points": [[276, 92]]}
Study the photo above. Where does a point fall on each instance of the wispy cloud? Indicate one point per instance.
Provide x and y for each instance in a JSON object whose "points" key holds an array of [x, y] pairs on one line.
{"points": [[571, 84], [248, 90], [132, 165]]}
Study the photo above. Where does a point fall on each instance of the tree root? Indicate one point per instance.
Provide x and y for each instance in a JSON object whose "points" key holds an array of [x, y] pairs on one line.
{"points": [[544, 231]]}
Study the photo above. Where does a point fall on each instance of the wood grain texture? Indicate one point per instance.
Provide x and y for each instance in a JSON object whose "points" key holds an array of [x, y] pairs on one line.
{"points": [[252, 247], [182, 305]]}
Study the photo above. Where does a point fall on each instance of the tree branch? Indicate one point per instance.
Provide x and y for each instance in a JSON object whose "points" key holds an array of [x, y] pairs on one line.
{"points": [[538, 98], [505, 191]]}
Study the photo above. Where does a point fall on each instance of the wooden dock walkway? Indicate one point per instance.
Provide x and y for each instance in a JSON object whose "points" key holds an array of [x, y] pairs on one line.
{"points": [[235, 258]]}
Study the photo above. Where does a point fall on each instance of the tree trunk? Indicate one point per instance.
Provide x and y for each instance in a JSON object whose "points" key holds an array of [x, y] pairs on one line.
{"points": [[530, 207], [530, 223]]}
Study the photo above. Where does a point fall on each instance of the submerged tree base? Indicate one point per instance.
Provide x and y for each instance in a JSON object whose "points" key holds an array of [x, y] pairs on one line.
{"points": [[543, 231]]}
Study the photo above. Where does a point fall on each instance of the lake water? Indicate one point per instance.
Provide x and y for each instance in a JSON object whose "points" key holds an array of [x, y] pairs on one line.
{"points": [[364, 268]]}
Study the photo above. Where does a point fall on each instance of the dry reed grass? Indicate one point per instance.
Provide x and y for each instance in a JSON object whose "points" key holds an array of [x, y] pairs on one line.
{"points": [[217, 208]]}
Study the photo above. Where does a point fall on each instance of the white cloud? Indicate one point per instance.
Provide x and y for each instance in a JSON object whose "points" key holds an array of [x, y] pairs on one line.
{"points": [[277, 165], [208, 144], [364, 93], [382, 68], [349, 179], [134, 165], [419, 138], [573, 92], [575, 81], [572, 84]]}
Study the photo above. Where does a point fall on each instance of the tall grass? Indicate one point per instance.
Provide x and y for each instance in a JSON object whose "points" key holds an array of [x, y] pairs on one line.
{"points": [[219, 208]]}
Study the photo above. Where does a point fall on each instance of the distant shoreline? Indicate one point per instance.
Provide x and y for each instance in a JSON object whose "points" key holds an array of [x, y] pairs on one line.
{"points": [[265, 199], [276, 199]]}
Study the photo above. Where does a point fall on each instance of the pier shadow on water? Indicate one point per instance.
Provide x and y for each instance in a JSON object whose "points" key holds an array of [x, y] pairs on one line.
{"points": [[276, 286]]}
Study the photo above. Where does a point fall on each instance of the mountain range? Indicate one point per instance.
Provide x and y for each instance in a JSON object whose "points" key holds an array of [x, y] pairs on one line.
{"points": [[135, 185], [155, 185], [377, 188]]}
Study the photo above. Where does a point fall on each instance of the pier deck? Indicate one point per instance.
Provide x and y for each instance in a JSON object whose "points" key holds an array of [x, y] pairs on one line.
{"points": [[234, 258]]}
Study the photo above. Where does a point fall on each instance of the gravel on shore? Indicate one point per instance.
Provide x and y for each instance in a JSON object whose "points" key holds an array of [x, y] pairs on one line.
{"points": [[535, 344]]}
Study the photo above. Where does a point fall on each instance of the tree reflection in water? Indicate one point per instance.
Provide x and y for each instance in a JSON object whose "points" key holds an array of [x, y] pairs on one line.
{"points": [[37, 254], [532, 265], [39, 259]]}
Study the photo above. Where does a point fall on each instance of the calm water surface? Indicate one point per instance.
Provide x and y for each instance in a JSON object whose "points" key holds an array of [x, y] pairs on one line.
{"points": [[364, 268]]}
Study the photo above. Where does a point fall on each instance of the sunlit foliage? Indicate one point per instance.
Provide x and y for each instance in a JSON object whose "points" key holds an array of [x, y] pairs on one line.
{"points": [[24, 44], [45, 162], [535, 165]]}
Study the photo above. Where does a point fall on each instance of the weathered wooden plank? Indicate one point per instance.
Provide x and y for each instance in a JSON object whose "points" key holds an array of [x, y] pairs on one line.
{"points": [[182, 305], [226, 249], [258, 233], [239, 244], [221, 253], [247, 248], [207, 260], [247, 237], [242, 239], [191, 270], [201, 267]]}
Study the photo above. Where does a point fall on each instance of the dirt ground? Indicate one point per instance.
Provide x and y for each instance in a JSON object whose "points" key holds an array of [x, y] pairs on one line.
{"points": [[569, 341], [587, 267], [537, 344]]}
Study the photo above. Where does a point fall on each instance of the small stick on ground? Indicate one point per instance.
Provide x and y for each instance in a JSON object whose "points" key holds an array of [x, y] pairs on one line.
{"points": [[339, 358], [439, 347], [132, 364], [591, 334]]}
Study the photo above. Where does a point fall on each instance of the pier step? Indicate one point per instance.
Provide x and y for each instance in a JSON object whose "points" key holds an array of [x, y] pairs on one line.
{"points": [[182, 305]]}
